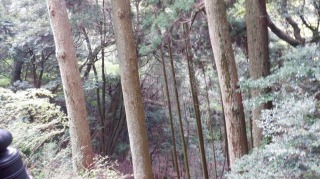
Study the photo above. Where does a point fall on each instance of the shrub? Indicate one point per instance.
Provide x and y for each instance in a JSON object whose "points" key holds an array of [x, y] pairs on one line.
{"points": [[295, 148], [40, 132], [292, 126]]}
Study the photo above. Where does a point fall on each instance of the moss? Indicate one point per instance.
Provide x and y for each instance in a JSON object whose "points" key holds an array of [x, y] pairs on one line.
{"points": [[4, 82]]}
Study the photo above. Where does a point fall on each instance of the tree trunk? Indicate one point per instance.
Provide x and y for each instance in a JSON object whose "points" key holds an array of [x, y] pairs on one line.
{"points": [[228, 78], [210, 119], [17, 70], [259, 63], [115, 122], [195, 100], [127, 54], [103, 75], [33, 68], [74, 96], [17, 65], [175, 158], [184, 147]]}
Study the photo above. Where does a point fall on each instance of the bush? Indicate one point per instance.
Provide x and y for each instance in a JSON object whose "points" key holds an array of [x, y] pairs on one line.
{"points": [[292, 127], [295, 148], [40, 132]]}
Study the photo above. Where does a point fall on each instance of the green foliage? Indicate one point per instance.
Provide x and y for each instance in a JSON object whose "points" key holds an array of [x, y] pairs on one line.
{"points": [[291, 128], [4, 81], [37, 126], [155, 116], [26, 15], [303, 13], [183, 5], [122, 147], [5, 32], [297, 70], [236, 18], [294, 152], [33, 121], [159, 19], [237, 11], [5, 20], [40, 132], [34, 47], [31, 105], [86, 15], [57, 164]]}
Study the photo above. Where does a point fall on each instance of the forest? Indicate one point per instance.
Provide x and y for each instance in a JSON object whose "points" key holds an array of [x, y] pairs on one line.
{"points": [[162, 88]]}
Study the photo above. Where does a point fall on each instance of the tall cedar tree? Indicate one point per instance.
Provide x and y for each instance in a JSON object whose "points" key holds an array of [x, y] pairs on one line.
{"points": [[259, 64], [177, 101], [195, 100], [228, 78], [127, 54], [72, 85], [174, 152]]}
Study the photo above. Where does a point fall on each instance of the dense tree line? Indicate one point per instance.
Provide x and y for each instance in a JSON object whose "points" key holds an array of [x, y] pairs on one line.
{"points": [[162, 86]]}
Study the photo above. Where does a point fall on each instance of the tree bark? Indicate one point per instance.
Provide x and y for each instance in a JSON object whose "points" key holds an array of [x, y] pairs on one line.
{"points": [[259, 63], [195, 100], [228, 78], [175, 158], [184, 147], [115, 122], [74, 96], [127, 55], [17, 70], [18, 63]]}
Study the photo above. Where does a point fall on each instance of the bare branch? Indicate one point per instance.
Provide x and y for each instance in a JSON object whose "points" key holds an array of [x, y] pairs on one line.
{"points": [[296, 30], [282, 35], [306, 23]]}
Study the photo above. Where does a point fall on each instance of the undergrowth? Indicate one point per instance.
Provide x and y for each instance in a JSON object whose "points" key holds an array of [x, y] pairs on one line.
{"points": [[40, 131], [292, 127]]}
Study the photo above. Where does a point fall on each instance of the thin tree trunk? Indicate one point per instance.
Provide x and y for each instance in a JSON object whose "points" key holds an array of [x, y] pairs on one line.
{"points": [[228, 78], [34, 68], [116, 121], [222, 124], [17, 70], [66, 54], [127, 54], [210, 119], [259, 63], [170, 113], [90, 55], [194, 93], [251, 133], [17, 65], [44, 58], [102, 120], [184, 147], [103, 75]]}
